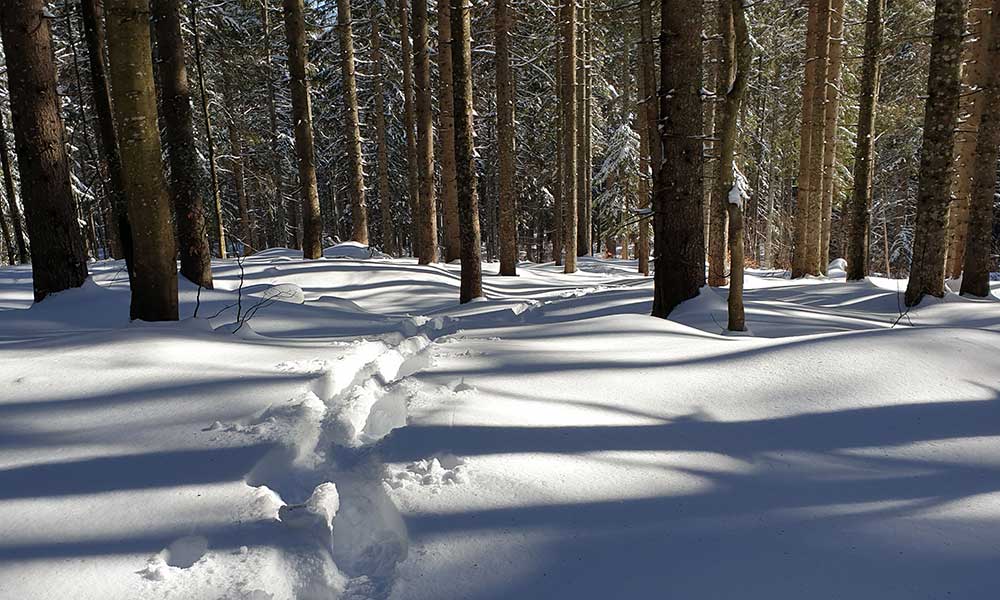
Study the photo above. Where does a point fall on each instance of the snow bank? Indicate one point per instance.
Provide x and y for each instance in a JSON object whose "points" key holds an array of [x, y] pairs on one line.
{"points": [[353, 250]]}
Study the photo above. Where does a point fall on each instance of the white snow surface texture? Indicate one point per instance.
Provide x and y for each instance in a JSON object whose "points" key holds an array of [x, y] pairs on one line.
{"points": [[363, 436]]}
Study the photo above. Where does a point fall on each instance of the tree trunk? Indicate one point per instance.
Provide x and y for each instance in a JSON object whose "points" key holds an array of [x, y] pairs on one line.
{"points": [[558, 199], [859, 214], [725, 68], [465, 159], [8, 241], [356, 187], [505, 141], [312, 222], [410, 124], [446, 134], [570, 188], [975, 77], [735, 202], [23, 255], [57, 244], [277, 231], [154, 287], [427, 214], [236, 164], [93, 26], [937, 152], [652, 135], [830, 130], [817, 139], [678, 194], [182, 152], [582, 227], [976, 278], [642, 249], [799, 262], [385, 199]]}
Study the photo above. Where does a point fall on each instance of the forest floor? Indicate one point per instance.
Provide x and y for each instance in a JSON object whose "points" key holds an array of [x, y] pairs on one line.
{"points": [[553, 441]]}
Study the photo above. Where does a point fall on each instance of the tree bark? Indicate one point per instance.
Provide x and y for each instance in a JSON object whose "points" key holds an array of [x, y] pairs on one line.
{"points": [[859, 212], [247, 240], [570, 187], [446, 134], [23, 254], [465, 159], [356, 189], [57, 245], [312, 223], [427, 214], [505, 141], [154, 286], [410, 124], [830, 130], [277, 233], [582, 228], [385, 199], [817, 139], [558, 200], [937, 152], [975, 77], [8, 241], [653, 152], [799, 255], [730, 111], [182, 152], [976, 278], [678, 193], [725, 68]]}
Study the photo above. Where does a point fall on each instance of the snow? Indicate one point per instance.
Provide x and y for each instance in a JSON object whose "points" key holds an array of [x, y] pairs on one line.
{"points": [[362, 435], [739, 193]]}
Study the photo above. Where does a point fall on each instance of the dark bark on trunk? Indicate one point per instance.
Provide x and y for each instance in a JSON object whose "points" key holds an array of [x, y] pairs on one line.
{"points": [[384, 197], [410, 124], [817, 139], [178, 121], [505, 141], [570, 183], [356, 188], [799, 251], [730, 110], [277, 232], [427, 215], [154, 286], [725, 68], [57, 245], [582, 227], [446, 135], [23, 255], [830, 131], [649, 108]]}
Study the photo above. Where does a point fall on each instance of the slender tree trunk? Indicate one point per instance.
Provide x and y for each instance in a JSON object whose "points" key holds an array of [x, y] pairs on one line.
{"points": [[93, 27], [154, 286], [410, 124], [385, 199], [976, 279], [446, 134], [312, 222], [723, 175], [582, 227], [588, 127], [649, 108], [356, 189], [558, 200], [427, 215], [182, 152], [817, 139], [859, 213], [642, 249], [236, 164], [799, 256], [505, 141], [57, 244], [678, 194], [937, 152], [23, 255], [570, 187], [8, 241], [975, 77], [737, 193], [465, 159], [278, 226], [830, 130]]}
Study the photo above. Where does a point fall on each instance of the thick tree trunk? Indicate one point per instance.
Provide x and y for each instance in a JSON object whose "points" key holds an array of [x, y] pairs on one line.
{"points": [[23, 255], [817, 139], [858, 214], [93, 27], [975, 76], [678, 194], [410, 124], [154, 286], [247, 240], [384, 197], [427, 214], [356, 187], [937, 152], [312, 222], [976, 278], [57, 247], [182, 152], [465, 159], [799, 255], [725, 67], [570, 187], [505, 141], [446, 135], [830, 130]]}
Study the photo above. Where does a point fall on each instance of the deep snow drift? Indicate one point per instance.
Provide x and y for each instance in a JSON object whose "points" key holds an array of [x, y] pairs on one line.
{"points": [[361, 435]]}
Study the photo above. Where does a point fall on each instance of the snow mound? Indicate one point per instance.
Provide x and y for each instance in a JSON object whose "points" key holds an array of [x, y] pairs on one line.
{"points": [[182, 553], [837, 268], [437, 471], [316, 512], [283, 292], [353, 250]]}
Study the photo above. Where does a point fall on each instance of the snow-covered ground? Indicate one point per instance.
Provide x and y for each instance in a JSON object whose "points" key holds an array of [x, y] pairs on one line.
{"points": [[363, 436]]}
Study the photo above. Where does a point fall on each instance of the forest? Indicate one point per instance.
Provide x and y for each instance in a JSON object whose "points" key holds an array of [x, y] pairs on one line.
{"points": [[432, 299]]}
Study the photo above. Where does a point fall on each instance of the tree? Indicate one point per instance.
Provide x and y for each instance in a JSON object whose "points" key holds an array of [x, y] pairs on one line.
{"points": [[182, 151], [859, 216], [385, 200], [154, 285], [679, 230], [58, 259], [582, 150], [976, 278], [567, 103], [725, 68], [817, 139], [23, 255], [800, 255], [305, 152], [941, 111], [446, 135], [278, 233], [427, 203], [833, 85], [505, 140], [236, 163], [465, 157], [410, 125], [356, 189], [652, 151]]}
